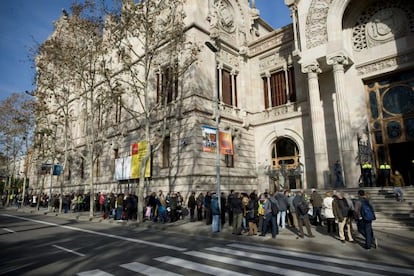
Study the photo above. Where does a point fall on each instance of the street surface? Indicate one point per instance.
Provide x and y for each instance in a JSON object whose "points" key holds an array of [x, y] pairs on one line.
{"points": [[45, 245]]}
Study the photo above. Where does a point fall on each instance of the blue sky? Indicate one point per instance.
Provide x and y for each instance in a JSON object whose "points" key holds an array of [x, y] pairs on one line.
{"points": [[26, 23]]}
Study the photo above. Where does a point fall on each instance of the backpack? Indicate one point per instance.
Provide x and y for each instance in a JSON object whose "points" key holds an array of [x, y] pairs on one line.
{"points": [[274, 206], [367, 212]]}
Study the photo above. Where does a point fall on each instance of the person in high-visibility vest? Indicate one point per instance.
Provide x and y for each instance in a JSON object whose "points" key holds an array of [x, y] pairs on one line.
{"points": [[367, 173], [385, 174]]}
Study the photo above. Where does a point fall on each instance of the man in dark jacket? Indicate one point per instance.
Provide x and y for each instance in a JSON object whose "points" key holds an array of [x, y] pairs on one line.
{"points": [[191, 205], [365, 225], [316, 201], [341, 210], [237, 208], [215, 213], [283, 206], [302, 214]]}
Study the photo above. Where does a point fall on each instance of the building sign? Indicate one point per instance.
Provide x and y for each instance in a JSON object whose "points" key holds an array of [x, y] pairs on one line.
{"points": [[226, 143], [57, 169], [209, 140], [130, 167], [139, 150]]}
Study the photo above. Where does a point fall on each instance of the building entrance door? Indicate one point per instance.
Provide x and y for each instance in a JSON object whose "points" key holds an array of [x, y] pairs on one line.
{"points": [[402, 156], [391, 121]]}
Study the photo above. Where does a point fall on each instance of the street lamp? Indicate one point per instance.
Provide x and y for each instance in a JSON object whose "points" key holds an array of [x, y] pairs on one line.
{"points": [[215, 50]]}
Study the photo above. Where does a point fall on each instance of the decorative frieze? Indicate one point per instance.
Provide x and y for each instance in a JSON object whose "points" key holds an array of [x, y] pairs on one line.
{"points": [[316, 28], [384, 64]]}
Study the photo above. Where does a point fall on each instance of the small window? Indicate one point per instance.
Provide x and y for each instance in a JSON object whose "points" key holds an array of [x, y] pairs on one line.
{"points": [[166, 147]]}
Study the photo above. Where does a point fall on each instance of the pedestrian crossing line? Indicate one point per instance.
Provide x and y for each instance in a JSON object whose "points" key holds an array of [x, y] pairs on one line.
{"points": [[198, 267], [341, 261], [247, 264], [288, 261], [95, 272], [147, 270]]}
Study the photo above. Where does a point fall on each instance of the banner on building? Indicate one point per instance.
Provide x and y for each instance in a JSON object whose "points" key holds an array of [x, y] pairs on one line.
{"points": [[209, 140], [130, 167], [138, 152], [123, 168], [57, 169], [226, 143]]}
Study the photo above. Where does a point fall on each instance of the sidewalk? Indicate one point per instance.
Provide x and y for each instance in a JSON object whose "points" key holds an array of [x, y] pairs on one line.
{"points": [[396, 247]]}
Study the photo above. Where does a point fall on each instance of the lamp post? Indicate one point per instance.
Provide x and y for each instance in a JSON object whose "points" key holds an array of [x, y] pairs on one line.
{"points": [[215, 50]]}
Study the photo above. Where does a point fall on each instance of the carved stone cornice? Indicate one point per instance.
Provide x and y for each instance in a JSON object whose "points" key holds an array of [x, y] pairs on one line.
{"points": [[385, 64]]}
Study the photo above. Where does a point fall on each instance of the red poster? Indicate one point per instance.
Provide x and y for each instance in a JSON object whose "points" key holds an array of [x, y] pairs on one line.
{"points": [[134, 149]]}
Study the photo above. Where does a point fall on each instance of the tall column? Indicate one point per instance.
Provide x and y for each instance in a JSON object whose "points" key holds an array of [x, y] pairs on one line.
{"points": [[233, 88], [293, 14], [342, 116], [220, 81], [318, 126], [269, 91], [285, 68]]}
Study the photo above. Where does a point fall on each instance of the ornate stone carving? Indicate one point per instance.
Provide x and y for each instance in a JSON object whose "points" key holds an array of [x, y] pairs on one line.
{"points": [[338, 59], [221, 15], [385, 64], [383, 22], [385, 25], [316, 29], [311, 68]]}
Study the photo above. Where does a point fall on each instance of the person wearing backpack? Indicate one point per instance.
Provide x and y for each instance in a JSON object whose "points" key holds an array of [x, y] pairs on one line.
{"points": [[365, 214], [301, 209], [271, 209]]}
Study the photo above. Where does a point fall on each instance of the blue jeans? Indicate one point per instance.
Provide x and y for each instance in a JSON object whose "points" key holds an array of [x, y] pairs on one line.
{"points": [[215, 225], [281, 219], [275, 228], [365, 228]]}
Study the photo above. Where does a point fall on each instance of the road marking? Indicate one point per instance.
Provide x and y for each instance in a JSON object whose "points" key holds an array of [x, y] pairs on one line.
{"points": [[299, 263], [320, 258], [171, 247], [68, 250], [147, 270], [8, 230], [247, 264], [96, 272], [198, 267]]}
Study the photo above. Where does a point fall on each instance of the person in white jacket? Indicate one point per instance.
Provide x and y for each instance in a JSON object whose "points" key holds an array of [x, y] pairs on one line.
{"points": [[328, 212]]}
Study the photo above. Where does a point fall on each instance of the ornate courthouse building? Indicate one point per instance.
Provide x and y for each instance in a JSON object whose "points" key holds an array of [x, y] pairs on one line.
{"points": [[335, 85]]}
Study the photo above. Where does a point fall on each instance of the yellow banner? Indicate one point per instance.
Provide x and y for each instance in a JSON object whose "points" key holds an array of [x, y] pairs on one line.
{"points": [[139, 152]]}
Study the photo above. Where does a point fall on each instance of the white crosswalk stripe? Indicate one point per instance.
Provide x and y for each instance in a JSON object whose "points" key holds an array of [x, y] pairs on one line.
{"points": [[319, 258], [198, 267], [256, 258], [95, 272], [148, 270]]}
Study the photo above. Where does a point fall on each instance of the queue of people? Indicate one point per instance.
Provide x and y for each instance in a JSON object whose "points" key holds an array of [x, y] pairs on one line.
{"points": [[251, 214], [262, 214]]}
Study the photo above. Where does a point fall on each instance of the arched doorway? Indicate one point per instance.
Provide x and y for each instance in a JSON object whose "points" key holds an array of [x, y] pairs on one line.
{"points": [[286, 171], [391, 122]]}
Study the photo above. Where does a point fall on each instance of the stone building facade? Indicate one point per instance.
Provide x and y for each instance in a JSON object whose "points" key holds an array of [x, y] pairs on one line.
{"points": [[335, 85]]}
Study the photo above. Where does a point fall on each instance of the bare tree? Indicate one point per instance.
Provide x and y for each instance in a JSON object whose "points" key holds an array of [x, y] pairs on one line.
{"points": [[152, 50], [16, 115], [70, 71]]}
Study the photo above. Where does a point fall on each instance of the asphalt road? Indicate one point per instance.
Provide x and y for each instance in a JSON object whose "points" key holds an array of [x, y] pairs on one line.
{"points": [[32, 244]]}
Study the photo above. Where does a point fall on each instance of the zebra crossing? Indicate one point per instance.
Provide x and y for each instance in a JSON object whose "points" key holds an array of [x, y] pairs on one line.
{"points": [[253, 260]]}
